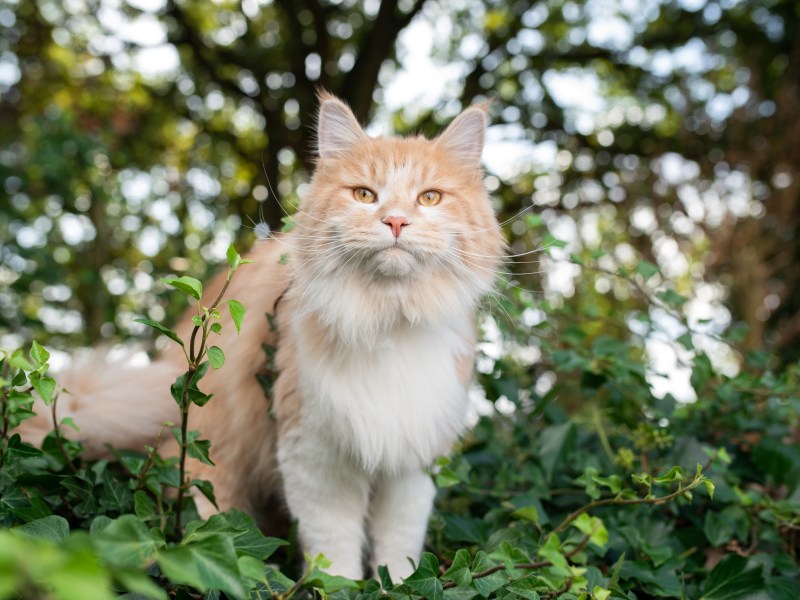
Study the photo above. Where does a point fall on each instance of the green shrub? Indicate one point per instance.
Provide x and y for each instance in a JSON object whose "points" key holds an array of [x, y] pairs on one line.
{"points": [[594, 488]]}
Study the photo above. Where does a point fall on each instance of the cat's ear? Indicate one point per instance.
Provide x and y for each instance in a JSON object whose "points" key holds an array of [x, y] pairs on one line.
{"points": [[464, 136], [337, 129]]}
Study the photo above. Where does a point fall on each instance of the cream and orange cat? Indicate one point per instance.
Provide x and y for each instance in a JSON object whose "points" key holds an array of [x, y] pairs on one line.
{"points": [[394, 245]]}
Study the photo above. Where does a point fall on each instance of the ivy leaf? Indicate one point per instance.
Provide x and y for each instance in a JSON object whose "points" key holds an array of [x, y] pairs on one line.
{"points": [[45, 386], [18, 361], [674, 474], [159, 327], [206, 564], [250, 541], [234, 260], [216, 357], [551, 550], [198, 448], [425, 580], [237, 313], [554, 443], [593, 527], [330, 584], [459, 569], [39, 355], [188, 285], [731, 579], [139, 584], [52, 528], [126, 542], [526, 587]]}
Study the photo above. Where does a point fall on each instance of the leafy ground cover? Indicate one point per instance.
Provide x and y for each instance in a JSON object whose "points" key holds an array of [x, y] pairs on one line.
{"points": [[589, 487]]}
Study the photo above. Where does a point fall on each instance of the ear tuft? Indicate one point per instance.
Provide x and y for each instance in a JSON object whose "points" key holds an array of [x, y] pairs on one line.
{"points": [[337, 129], [464, 136]]}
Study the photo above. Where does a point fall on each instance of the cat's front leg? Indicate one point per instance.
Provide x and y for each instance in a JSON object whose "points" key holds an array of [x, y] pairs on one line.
{"points": [[328, 496], [398, 521]]}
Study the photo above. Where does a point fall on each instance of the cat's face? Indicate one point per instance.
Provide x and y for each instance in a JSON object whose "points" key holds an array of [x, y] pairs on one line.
{"points": [[400, 210]]}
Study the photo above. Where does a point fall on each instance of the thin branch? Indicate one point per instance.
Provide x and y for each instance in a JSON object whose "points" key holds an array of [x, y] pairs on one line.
{"points": [[57, 434], [625, 502]]}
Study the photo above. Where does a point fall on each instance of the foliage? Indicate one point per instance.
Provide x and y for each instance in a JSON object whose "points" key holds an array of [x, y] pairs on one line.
{"points": [[671, 124], [591, 488]]}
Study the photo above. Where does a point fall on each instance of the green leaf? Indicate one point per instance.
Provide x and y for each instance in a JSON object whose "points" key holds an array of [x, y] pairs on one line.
{"points": [[553, 444], [139, 584], [143, 505], [206, 564], [250, 541], [527, 513], [674, 474], [206, 489], [159, 327], [216, 357], [672, 298], [52, 528], [646, 269], [459, 571], [237, 313], [234, 260], [39, 355], [731, 580], [525, 587], [18, 361], [76, 573], [252, 568], [425, 580], [288, 224], [593, 527], [551, 550], [45, 386], [330, 584], [460, 593], [20, 449], [188, 285], [199, 449], [216, 328], [489, 583], [126, 542]]}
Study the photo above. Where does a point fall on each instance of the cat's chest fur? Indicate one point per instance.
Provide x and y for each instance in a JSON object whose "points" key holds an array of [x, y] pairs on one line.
{"points": [[392, 406]]}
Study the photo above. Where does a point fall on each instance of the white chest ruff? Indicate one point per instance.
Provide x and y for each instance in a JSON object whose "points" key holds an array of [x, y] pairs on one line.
{"points": [[392, 407]]}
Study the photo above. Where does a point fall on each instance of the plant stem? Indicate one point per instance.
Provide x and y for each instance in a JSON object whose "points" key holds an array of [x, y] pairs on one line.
{"points": [[58, 438], [194, 362], [150, 458], [625, 502], [5, 416], [184, 447]]}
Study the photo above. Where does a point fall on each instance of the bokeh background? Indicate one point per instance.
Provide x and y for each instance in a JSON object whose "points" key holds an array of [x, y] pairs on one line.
{"points": [[139, 138]]}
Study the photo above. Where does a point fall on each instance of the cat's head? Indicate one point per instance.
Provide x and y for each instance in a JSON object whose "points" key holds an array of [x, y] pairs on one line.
{"points": [[407, 214]]}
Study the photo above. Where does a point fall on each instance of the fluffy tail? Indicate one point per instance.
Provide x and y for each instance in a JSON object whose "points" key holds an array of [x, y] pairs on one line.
{"points": [[112, 402]]}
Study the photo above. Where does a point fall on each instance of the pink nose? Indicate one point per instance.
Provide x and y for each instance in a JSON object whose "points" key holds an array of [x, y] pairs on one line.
{"points": [[396, 223]]}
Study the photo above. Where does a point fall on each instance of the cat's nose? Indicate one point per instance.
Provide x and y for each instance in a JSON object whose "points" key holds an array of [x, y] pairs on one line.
{"points": [[396, 223]]}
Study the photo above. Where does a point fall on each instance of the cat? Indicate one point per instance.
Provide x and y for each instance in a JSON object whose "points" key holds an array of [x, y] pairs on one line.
{"points": [[393, 246]]}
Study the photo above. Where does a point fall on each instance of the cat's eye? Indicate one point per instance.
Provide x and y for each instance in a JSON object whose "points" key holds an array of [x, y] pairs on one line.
{"points": [[429, 198], [364, 195]]}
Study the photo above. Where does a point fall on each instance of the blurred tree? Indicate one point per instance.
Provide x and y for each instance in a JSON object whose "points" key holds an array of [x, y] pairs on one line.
{"points": [[662, 130]]}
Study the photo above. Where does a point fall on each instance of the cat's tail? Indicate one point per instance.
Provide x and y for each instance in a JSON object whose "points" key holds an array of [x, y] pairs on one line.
{"points": [[111, 402]]}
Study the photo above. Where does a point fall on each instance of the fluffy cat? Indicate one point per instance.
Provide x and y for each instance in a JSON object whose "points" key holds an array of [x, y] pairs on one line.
{"points": [[394, 244]]}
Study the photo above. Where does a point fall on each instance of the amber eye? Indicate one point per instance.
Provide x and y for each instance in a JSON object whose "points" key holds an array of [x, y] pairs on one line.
{"points": [[429, 198], [364, 195]]}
